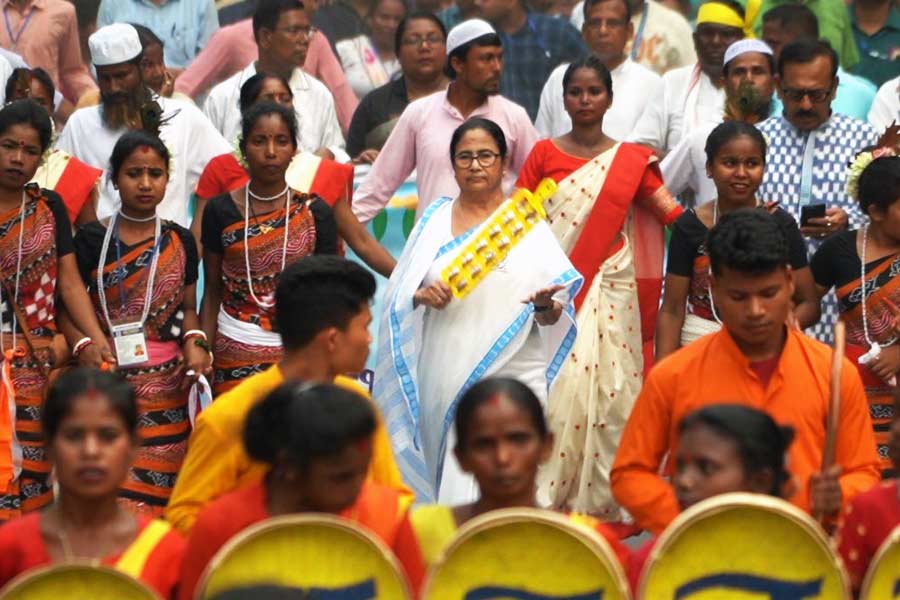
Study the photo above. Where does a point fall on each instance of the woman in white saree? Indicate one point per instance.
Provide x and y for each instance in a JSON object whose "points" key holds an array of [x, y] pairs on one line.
{"points": [[517, 322]]}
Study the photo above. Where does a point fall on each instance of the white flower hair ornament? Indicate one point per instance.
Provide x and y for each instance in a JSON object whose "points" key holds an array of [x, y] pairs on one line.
{"points": [[888, 145]]}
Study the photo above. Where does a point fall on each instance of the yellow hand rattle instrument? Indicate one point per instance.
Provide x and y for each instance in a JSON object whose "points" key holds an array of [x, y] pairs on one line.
{"points": [[498, 236]]}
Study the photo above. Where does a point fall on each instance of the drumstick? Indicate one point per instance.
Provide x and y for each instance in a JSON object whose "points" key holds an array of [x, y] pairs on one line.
{"points": [[834, 408]]}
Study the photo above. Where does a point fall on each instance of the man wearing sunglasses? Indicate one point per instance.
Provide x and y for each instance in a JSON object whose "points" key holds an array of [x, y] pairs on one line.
{"points": [[809, 149]]}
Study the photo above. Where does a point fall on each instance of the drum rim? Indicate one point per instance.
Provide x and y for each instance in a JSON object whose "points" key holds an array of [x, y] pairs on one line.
{"points": [[505, 516], [892, 539], [321, 519], [717, 505], [26, 577]]}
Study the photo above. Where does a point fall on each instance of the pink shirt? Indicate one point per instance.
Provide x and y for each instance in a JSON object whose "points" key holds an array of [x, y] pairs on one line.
{"points": [[45, 35], [232, 48], [421, 141]]}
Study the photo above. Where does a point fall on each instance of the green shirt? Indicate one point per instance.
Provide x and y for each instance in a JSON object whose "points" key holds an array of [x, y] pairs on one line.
{"points": [[879, 58], [834, 26]]}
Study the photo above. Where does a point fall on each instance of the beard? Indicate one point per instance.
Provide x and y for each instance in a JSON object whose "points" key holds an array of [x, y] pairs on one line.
{"points": [[125, 111]]}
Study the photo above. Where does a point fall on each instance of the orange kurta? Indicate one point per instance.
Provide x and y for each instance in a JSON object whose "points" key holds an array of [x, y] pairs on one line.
{"points": [[377, 507], [22, 549], [713, 370]]}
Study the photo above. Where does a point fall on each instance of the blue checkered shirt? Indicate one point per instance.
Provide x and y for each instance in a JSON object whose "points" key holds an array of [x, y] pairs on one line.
{"points": [[838, 141], [531, 54]]}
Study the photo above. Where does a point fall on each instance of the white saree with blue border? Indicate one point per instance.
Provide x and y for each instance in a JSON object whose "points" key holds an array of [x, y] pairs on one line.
{"points": [[428, 358]]}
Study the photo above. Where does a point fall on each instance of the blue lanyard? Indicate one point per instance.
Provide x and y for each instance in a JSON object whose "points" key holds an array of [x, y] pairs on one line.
{"points": [[15, 38], [156, 246], [639, 35]]}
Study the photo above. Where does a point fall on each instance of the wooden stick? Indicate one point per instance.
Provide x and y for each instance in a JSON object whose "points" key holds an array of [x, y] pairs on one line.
{"points": [[834, 408]]}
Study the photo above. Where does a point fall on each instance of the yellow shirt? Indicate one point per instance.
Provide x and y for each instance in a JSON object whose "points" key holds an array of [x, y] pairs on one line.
{"points": [[216, 462]]}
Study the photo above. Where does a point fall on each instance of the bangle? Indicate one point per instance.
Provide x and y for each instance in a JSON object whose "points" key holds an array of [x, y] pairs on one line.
{"points": [[80, 345], [194, 333], [202, 343]]}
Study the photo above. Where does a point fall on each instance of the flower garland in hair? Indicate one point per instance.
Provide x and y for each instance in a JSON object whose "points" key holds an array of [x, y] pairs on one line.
{"points": [[859, 165], [888, 145], [239, 154]]}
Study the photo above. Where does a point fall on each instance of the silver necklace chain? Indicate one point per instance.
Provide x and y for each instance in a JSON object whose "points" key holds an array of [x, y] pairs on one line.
{"points": [[287, 217]]}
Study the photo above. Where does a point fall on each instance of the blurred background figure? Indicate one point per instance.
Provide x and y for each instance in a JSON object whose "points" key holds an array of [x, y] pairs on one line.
{"points": [[370, 60]]}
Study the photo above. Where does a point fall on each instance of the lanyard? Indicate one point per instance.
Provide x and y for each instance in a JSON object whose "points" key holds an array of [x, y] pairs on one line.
{"points": [[151, 279], [538, 37], [806, 170], [15, 38], [639, 35]]}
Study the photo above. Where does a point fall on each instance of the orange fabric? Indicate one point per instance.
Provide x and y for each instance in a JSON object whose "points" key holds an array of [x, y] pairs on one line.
{"points": [[713, 370], [379, 508], [75, 185], [22, 548], [7, 400]]}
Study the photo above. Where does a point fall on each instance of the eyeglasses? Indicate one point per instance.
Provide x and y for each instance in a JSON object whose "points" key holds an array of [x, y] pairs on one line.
{"points": [[485, 158], [304, 33], [815, 96], [432, 39]]}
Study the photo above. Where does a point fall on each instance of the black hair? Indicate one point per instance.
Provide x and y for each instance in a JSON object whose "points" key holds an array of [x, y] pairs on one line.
{"points": [[269, 11], [804, 51], [21, 75], [131, 141], [593, 62], [264, 109], [761, 442], [484, 124], [373, 6], [879, 183], [796, 17], [147, 37], [589, 4], [416, 15], [770, 59], [519, 393], [72, 384], [749, 241], [27, 112], [303, 423], [729, 130], [482, 41], [251, 89], [318, 292]]}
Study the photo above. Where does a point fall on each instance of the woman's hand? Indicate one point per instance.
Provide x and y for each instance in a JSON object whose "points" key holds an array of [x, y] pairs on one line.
{"points": [[546, 310], [437, 295], [98, 355], [366, 157], [886, 364], [197, 362]]}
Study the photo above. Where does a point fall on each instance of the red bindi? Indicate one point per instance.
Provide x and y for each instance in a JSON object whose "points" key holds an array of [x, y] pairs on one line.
{"points": [[495, 399], [145, 149]]}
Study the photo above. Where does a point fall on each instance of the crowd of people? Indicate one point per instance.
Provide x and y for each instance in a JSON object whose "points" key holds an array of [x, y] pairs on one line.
{"points": [[181, 335]]}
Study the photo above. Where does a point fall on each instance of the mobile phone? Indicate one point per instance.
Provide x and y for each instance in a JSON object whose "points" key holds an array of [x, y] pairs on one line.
{"points": [[811, 211]]}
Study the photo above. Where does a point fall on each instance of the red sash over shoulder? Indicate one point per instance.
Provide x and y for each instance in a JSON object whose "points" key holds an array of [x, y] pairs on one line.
{"points": [[630, 170]]}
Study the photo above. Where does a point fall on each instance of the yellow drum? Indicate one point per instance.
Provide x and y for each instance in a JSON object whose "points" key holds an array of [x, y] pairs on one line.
{"points": [[76, 582], [318, 553], [883, 577], [526, 553], [742, 547]]}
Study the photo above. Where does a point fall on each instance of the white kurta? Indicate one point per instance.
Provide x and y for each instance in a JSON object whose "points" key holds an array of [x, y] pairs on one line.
{"points": [[633, 86], [684, 167], [886, 106], [189, 136], [313, 104], [686, 100]]}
